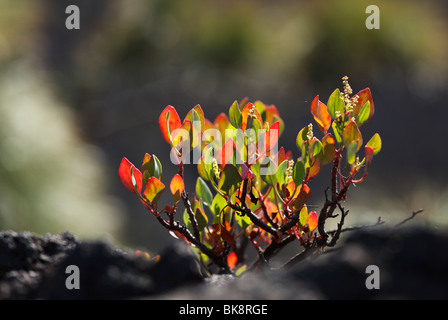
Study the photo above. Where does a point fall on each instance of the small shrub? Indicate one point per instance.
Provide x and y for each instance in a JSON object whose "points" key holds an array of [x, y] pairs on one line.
{"points": [[250, 190]]}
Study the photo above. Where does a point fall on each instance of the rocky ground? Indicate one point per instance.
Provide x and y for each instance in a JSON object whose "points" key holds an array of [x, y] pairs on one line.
{"points": [[413, 264]]}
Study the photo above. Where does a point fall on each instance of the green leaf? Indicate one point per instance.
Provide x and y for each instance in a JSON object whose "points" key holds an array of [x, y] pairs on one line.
{"points": [[364, 96], [268, 171], [196, 117], [230, 179], [337, 132], [235, 116], [302, 136], [364, 114], [335, 104], [281, 173], [350, 134], [151, 167], [299, 173], [217, 206], [328, 149], [351, 151], [203, 192], [375, 143], [311, 150], [243, 221], [202, 170], [187, 220], [201, 218], [303, 217]]}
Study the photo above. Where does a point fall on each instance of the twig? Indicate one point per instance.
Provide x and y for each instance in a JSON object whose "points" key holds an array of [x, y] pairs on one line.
{"points": [[340, 224], [414, 213], [378, 223]]}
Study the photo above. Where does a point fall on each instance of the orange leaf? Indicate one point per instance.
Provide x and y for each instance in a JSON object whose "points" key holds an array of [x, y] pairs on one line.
{"points": [[303, 195], [232, 260], [321, 115], [246, 113], [124, 173], [312, 221], [168, 121], [221, 123], [153, 190], [177, 184]]}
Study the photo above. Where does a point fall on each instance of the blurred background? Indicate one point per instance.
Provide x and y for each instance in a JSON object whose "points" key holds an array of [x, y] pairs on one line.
{"points": [[73, 103]]}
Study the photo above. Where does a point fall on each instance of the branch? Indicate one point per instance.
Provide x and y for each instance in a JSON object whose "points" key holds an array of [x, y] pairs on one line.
{"points": [[340, 224], [378, 223], [194, 223], [176, 226], [414, 213]]}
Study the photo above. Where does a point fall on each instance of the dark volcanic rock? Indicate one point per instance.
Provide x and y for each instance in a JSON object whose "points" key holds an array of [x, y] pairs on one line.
{"points": [[412, 264], [24, 258], [35, 267]]}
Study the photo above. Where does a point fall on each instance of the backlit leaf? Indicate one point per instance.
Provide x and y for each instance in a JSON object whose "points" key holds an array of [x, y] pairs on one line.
{"points": [[328, 149], [364, 114], [124, 174], [203, 192], [335, 104], [298, 173], [351, 134], [168, 121], [249, 116], [232, 260], [201, 219], [151, 167], [196, 117], [177, 186], [321, 115], [230, 179], [303, 217], [302, 136], [304, 194], [364, 96], [375, 143], [235, 116], [154, 189], [312, 221]]}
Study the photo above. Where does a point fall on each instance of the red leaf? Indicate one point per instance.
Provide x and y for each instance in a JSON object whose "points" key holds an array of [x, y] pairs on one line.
{"points": [[174, 122], [246, 173], [272, 136], [321, 115], [228, 153], [271, 111], [124, 173], [232, 260]]}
